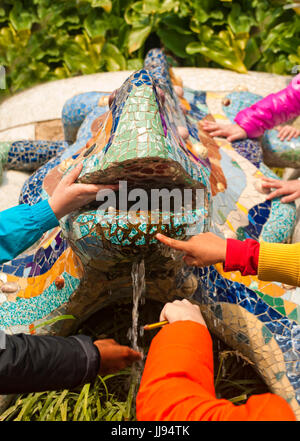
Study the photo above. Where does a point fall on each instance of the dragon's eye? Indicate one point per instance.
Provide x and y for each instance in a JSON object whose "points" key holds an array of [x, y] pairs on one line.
{"points": [[89, 150]]}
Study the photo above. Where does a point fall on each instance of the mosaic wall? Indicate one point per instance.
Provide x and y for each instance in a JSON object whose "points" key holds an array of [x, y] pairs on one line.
{"points": [[150, 136]]}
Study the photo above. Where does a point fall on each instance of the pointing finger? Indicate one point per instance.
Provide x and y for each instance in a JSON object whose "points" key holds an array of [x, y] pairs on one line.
{"points": [[173, 243]]}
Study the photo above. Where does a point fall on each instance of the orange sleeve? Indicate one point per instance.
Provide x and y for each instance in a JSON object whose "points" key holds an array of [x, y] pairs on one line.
{"points": [[178, 383]]}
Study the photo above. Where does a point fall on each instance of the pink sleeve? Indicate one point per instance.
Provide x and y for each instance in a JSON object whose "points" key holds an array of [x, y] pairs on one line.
{"points": [[274, 109]]}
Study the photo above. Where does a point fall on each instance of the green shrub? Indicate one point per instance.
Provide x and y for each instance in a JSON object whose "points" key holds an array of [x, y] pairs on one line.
{"points": [[44, 40]]}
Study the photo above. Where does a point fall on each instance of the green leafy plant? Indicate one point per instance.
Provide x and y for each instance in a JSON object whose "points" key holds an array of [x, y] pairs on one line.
{"points": [[90, 403], [44, 40]]}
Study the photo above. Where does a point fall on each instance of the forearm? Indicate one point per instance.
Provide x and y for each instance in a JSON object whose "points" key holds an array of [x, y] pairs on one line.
{"points": [[22, 226], [37, 363], [178, 384], [242, 256], [271, 111], [270, 261], [180, 358], [280, 263]]}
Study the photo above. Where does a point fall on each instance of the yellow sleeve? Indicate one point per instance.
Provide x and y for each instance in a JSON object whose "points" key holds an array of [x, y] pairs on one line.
{"points": [[279, 263]]}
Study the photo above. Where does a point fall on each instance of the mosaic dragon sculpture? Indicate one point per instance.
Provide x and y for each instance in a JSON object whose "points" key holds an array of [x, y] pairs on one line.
{"points": [[150, 136]]}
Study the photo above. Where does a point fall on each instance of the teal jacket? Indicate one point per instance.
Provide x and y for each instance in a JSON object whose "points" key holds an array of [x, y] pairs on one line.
{"points": [[23, 225]]}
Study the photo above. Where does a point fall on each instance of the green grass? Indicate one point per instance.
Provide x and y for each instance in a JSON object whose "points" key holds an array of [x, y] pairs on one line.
{"points": [[112, 398]]}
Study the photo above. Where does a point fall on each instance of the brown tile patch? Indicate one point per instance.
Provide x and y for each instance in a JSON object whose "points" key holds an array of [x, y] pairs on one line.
{"points": [[49, 130]]}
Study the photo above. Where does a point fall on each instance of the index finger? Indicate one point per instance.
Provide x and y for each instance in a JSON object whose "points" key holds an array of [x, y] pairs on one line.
{"points": [[173, 243], [97, 188], [274, 184], [71, 177]]}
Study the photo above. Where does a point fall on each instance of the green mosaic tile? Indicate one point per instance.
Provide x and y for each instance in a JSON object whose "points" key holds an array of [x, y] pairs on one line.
{"points": [[281, 310], [267, 334], [268, 299], [279, 375], [294, 315]]}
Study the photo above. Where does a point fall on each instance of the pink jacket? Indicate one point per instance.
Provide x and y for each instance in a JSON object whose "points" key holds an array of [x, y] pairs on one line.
{"points": [[271, 111]]}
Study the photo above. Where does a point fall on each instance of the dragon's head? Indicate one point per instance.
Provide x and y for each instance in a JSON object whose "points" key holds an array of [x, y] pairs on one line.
{"points": [[140, 143]]}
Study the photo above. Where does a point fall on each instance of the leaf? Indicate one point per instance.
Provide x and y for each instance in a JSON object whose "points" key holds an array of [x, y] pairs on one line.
{"points": [[179, 25], [80, 401], [115, 60], [83, 54], [55, 319], [105, 4], [201, 16], [217, 51], [47, 405], [28, 403], [266, 16], [11, 410], [95, 26], [40, 69], [64, 411], [135, 63], [239, 21], [135, 16], [252, 53], [175, 42], [137, 38], [21, 18], [61, 72], [274, 34], [99, 24], [159, 7], [151, 6]]}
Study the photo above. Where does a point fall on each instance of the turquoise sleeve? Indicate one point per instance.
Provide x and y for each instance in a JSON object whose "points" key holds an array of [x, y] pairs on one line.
{"points": [[23, 225]]}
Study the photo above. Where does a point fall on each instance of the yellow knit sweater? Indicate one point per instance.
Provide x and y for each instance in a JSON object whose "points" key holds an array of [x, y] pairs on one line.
{"points": [[279, 262]]}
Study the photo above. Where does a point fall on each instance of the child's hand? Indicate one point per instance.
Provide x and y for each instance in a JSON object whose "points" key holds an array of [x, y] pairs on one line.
{"points": [[181, 310], [287, 132], [202, 250], [115, 357], [69, 196], [290, 188], [231, 132]]}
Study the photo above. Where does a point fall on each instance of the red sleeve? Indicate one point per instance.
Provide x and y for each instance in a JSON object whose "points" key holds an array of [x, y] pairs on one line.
{"points": [[178, 382], [242, 256]]}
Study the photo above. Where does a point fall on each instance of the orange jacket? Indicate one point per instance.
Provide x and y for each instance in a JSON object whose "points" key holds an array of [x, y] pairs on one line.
{"points": [[178, 382]]}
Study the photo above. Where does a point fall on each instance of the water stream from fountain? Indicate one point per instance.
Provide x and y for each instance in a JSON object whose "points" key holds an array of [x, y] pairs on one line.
{"points": [[138, 285]]}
